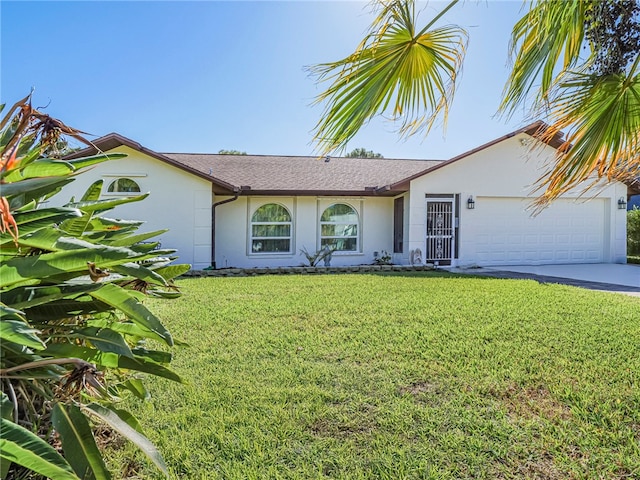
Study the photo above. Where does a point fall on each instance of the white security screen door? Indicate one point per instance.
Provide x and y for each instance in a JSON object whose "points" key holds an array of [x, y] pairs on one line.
{"points": [[440, 231]]}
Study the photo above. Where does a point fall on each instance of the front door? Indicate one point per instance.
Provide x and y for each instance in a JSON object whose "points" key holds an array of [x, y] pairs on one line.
{"points": [[440, 231]]}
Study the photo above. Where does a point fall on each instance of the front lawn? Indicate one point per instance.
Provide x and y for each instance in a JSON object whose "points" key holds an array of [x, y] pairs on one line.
{"points": [[396, 377]]}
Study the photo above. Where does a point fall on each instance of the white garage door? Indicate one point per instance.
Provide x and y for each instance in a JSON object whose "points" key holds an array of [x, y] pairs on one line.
{"points": [[504, 233]]}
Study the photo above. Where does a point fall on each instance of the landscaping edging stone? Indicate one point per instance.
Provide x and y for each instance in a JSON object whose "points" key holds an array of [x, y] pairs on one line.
{"points": [[251, 272]]}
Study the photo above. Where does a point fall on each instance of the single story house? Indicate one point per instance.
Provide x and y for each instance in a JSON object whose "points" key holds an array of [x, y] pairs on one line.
{"points": [[261, 211]]}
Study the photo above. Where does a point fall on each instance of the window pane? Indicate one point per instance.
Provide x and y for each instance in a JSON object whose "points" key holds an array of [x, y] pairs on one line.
{"points": [[271, 230], [339, 213], [123, 185], [271, 212], [329, 230], [340, 244], [262, 246]]}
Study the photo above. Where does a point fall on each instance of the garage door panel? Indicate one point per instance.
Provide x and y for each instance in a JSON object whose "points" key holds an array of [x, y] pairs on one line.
{"points": [[504, 233]]}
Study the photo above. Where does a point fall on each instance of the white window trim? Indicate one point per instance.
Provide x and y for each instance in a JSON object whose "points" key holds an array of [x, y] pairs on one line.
{"points": [[115, 177], [252, 209], [324, 204]]}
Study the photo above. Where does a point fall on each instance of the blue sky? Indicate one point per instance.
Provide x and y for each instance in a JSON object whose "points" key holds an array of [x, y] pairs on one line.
{"points": [[210, 75]]}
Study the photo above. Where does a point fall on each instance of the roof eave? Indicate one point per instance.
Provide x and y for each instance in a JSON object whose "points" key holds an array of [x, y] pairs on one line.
{"points": [[114, 140]]}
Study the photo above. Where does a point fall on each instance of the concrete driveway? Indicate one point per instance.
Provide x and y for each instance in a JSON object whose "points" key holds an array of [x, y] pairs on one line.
{"points": [[613, 277]]}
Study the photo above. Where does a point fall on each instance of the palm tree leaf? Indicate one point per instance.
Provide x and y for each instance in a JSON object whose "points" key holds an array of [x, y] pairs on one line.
{"points": [[546, 43], [601, 116], [409, 77]]}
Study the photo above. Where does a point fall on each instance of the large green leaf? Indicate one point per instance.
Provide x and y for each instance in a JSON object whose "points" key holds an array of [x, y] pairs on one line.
{"points": [[113, 419], [110, 360], [141, 364], [120, 299], [37, 219], [73, 260], [126, 328], [79, 446], [78, 226], [20, 446], [6, 408], [172, 271], [140, 272], [105, 204], [41, 168], [33, 188], [43, 239], [114, 224], [155, 355], [27, 297], [91, 355], [136, 386], [19, 332], [104, 339], [128, 239], [65, 308], [93, 192]]}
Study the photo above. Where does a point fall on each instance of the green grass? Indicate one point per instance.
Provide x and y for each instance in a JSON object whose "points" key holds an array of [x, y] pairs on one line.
{"points": [[396, 377]]}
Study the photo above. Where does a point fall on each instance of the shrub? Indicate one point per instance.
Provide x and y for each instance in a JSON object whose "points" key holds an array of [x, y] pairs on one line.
{"points": [[633, 232], [74, 328]]}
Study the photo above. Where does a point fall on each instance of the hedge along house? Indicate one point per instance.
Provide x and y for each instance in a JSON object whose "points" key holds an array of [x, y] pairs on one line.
{"points": [[261, 211]]}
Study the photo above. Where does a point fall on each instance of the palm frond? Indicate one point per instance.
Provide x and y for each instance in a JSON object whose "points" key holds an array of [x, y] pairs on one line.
{"points": [[546, 43], [601, 118], [409, 77]]}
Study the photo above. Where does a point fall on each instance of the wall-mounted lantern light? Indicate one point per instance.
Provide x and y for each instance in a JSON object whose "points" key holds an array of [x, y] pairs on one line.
{"points": [[622, 203], [471, 203]]}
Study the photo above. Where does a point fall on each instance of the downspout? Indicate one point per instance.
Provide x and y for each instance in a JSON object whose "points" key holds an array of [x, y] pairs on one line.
{"points": [[236, 194]]}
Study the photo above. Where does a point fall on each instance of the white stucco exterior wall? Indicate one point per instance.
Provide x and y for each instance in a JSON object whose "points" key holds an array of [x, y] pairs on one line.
{"points": [[508, 171], [233, 247], [177, 200]]}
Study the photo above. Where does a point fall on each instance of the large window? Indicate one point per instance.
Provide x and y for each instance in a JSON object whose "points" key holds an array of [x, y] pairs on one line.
{"points": [[339, 228], [271, 229], [123, 185]]}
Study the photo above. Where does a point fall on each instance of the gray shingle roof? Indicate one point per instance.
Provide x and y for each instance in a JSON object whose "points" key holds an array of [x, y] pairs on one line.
{"points": [[299, 174]]}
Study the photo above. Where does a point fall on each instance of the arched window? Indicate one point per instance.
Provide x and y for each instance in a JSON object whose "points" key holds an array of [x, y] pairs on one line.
{"points": [[339, 228], [123, 185], [271, 229]]}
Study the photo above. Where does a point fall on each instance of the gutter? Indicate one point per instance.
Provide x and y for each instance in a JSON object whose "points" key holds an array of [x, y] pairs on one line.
{"points": [[236, 194]]}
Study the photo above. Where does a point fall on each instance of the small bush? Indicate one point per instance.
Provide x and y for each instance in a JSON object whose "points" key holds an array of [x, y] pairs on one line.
{"points": [[633, 232]]}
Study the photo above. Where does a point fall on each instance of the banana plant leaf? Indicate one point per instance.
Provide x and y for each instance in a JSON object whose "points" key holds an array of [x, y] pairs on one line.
{"points": [[105, 204], [104, 339], [78, 444], [28, 297], [65, 308], [112, 418], [32, 188], [138, 271], [42, 238], [20, 446], [126, 328], [123, 239], [20, 333], [136, 386], [93, 192], [73, 259], [109, 360], [172, 271], [40, 168], [120, 299]]}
